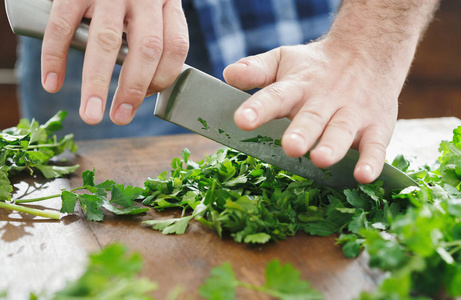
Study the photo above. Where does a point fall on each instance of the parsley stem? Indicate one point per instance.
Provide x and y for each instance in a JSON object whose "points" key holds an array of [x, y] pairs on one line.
{"points": [[44, 146], [19, 201], [35, 146], [452, 243], [454, 250], [31, 211], [204, 221], [213, 187]]}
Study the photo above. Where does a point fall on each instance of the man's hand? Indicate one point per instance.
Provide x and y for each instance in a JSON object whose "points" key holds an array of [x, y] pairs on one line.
{"points": [[328, 95], [341, 91], [157, 36]]}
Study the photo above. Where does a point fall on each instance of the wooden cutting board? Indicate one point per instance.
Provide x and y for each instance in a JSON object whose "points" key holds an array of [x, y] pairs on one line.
{"points": [[39, 254]]}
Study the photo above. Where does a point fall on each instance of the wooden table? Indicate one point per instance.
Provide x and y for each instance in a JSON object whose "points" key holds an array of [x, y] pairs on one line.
{"points": [[37, 253]]}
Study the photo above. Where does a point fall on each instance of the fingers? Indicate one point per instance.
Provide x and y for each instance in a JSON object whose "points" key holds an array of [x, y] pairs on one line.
{"points": [[158, 48], [372, 154], [272, 102], [104, 41], [307, 126], [145, 41], [176, 47], [275, 100], [333, 104], [337, 138], [158, 39], [254, 71], [64, 18]]}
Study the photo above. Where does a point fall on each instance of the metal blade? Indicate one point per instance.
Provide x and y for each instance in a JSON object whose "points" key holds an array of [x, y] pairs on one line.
{"points": [[205, 105]]}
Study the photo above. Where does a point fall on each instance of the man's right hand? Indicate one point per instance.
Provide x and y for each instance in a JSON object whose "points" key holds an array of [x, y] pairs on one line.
{"points": [[158, 40]]}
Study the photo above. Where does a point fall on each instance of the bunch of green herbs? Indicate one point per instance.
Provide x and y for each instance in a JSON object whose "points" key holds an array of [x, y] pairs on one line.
{"points": [[96, 198], [255, 202], [413, 235], [420, 251], [31, 147]]}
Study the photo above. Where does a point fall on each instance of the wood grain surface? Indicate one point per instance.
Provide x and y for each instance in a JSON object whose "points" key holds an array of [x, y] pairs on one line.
{"points": [[37, 253]]}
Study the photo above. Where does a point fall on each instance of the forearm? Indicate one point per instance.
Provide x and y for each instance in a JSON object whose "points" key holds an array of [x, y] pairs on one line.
{"points": [[384, 33]]}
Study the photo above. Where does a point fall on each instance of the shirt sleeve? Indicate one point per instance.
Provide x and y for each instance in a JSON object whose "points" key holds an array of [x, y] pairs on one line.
{"points": [[234, 29]]}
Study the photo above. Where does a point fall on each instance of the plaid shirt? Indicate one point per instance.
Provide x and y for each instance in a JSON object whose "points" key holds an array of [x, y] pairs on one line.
{"points": [[233, 29]]}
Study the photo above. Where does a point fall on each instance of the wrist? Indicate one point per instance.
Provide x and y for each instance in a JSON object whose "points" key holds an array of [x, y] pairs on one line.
{"points": [[382, 33]]}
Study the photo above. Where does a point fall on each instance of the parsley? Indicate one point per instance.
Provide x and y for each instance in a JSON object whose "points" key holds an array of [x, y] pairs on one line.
{"points": [[256, 202], [120, 202], [259, 139], [204, 124], [31, 147], [421, 247], [111, 273], [282, 282], [413, 234]]}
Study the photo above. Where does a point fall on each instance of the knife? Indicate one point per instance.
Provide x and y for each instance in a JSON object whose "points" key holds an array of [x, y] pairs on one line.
{"points": [[205, 105]]}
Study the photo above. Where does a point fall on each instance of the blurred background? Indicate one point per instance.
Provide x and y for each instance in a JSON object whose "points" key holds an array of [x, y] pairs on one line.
{"points": [[433, 88]]}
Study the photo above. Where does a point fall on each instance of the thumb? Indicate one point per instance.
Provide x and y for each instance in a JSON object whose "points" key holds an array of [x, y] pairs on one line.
{"points": [[255, 71]]}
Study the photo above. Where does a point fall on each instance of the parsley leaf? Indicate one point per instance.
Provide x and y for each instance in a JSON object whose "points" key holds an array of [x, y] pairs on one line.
{"points": [[69, 200], [91, 206], [124, 196], [170, 226], [221, 284], [204, 124], [284, 282], [56, 171]]}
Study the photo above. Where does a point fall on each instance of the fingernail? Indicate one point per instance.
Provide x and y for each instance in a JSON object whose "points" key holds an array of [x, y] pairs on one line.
{"points": [[296, 137], [51, 82], [325, 150], [366, 170], [124, 113], [93, 109], [249, 114], [243, 63]]}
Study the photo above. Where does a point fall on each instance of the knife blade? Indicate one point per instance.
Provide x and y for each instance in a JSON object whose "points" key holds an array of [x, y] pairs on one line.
{"points": [[205, 105]]}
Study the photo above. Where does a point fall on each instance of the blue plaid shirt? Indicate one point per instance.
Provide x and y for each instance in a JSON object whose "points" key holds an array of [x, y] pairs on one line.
{"points": [[233, 29]]}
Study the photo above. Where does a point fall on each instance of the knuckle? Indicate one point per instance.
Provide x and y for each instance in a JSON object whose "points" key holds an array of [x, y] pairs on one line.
{"points": [[314, 116], [376, 150], [275, 92], [52, 55], [60, 29], [151, 47], [178, 47], [109, 40], [345, 125], [99, 82], [135, 92], [378, 146], [159, 84]]}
